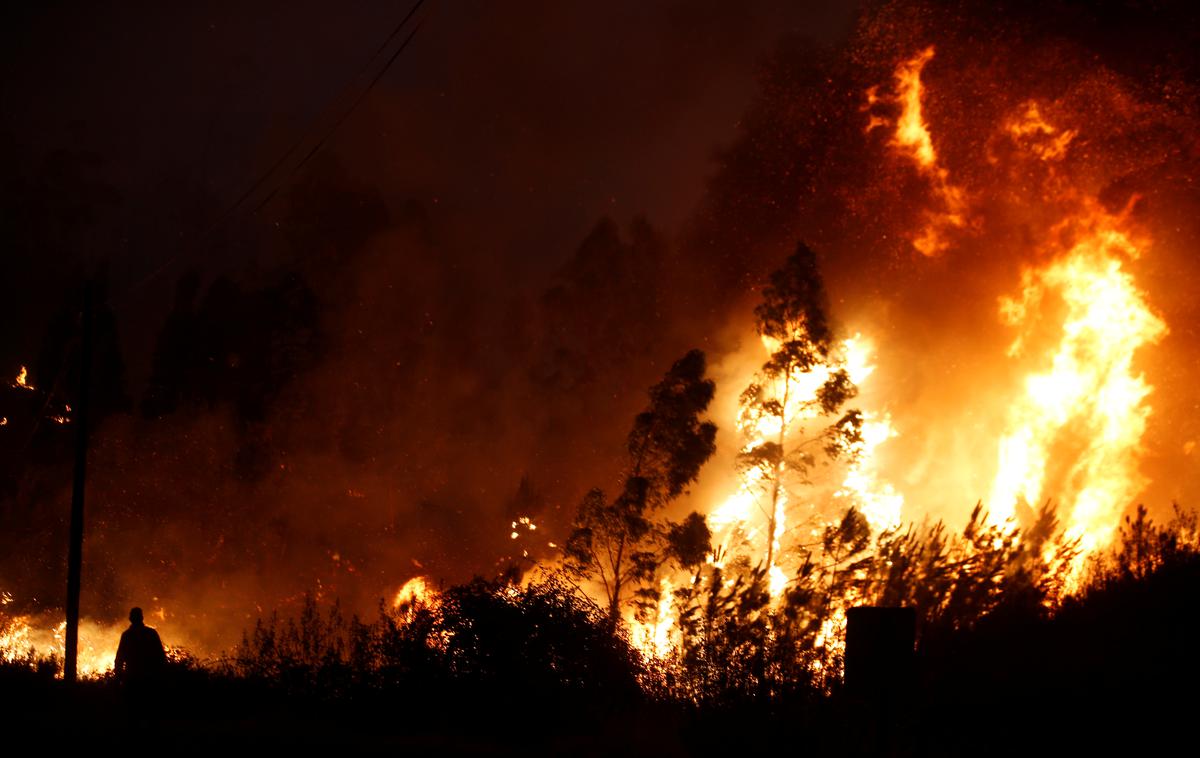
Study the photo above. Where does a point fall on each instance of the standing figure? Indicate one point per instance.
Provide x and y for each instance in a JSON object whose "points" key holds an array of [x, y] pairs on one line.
{"points": [[140, 656]]}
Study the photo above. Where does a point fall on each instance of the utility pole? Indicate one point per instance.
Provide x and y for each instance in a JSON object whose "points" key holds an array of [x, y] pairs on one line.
{"points": [[75, 548]]}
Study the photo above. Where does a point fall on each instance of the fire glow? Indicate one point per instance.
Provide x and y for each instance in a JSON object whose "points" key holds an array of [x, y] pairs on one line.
{"points": [[1072, 424], [1079, 319], [28, 638]]}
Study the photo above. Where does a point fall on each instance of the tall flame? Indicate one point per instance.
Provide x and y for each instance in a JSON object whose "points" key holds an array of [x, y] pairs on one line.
{"points": [[1087, 398], [912, 136]]}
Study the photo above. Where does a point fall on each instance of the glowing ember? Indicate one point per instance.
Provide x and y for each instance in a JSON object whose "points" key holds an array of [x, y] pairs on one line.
{"points": [[524, 526], [523, 523]]}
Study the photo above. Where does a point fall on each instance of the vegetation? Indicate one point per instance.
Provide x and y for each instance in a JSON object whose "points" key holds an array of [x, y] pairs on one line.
{"points": [[489, 664], [792, 318], [1010, 622], [620, 544]]}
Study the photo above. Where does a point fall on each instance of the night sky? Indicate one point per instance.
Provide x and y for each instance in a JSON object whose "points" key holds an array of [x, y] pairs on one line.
{"points": [[513, 129]]}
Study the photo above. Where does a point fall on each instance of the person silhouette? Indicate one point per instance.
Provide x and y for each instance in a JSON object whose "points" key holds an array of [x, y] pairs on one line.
{"points": [[140, 654]]}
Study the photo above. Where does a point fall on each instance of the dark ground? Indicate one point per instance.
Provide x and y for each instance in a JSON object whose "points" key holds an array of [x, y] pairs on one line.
{"points": [[1111, 672]]}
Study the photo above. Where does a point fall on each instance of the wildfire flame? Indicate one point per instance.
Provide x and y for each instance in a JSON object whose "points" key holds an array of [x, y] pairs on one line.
{"points": [[22, 380], [1038, 136], [1084, 408], [1073, 424], [415, 591], [28, 637], [738, 518], [911, 139], [912, 136], [1088, 396], [656, 636]]}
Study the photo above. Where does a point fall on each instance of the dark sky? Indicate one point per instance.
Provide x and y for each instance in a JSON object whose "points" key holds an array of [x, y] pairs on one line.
{"points": [[517, 124]]}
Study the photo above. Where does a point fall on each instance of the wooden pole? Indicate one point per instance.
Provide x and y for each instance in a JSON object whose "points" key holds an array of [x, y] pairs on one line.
{"points": [[75, 548]]}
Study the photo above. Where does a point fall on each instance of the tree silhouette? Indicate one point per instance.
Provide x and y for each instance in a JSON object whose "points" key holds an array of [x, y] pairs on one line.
{"points": [[615, 543], [803, 379]]}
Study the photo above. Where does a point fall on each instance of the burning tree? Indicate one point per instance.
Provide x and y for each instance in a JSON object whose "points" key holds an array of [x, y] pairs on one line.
{"points": [[616, 543], [804, 379]]}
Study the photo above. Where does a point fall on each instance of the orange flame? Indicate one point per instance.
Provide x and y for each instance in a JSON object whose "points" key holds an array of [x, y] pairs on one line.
{"points": [[1073, 426], [912, 136], [912, 140], [26, 638], [1087, 398], [22, 380], [1032, 131], [415, 591]]}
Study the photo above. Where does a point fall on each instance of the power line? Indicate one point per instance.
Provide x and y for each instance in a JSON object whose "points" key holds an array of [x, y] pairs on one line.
{"points": [[303, 137], [296, 145], [362, 96]]}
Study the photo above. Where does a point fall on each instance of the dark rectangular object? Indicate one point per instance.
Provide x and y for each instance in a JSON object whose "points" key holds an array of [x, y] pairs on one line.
{"points": [[879, 650]]}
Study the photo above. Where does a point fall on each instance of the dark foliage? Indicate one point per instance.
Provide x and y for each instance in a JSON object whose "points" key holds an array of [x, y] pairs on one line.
{"points": [[618, 544], [206, 355], [793, 310], [542, 643], [490, 666]]}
